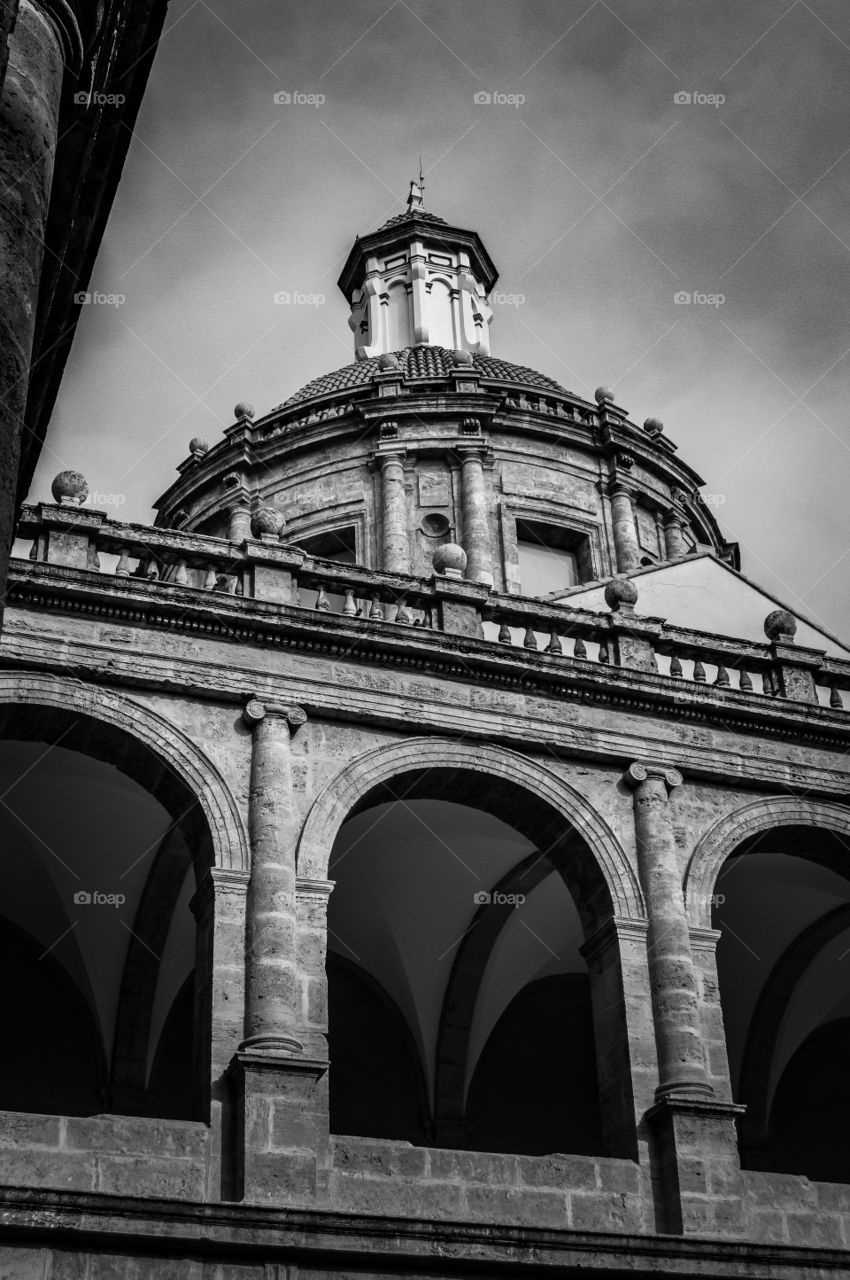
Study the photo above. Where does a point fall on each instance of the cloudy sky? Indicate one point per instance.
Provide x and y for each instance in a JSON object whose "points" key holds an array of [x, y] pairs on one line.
{"points": [[599, 195]]}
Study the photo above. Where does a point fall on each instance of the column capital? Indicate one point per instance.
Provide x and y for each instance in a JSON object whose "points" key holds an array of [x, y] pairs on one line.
{"points": [[255, 712], [621, 484], [66, 19], [638, 773], [474, 448]]}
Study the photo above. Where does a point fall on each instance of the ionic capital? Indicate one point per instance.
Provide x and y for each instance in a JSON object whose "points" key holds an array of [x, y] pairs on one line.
{"points": [[638, 773], [255, 712]]}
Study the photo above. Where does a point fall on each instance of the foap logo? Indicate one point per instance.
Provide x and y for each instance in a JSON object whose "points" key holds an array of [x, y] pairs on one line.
{"points": [[94, 898], [298, 99], [285, 298], [86, 298], [685, 299], [484, 899], [99, 99], [106, 499], [714, 499], [507, 299], [684, 99], [495, 98], [711, 899]]}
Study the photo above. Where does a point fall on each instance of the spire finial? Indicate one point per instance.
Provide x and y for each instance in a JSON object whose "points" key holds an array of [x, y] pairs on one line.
{"points": [[416, 199]]}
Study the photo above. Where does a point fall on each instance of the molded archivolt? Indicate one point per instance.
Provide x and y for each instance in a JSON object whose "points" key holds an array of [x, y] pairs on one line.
{"points": [[352, 784], [816, 828], [70, 703]]}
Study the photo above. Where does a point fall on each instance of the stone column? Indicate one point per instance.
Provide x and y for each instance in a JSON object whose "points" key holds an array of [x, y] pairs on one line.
{"points": [[46, 39], [396, 546], [476, 523], [675, 546], [626, 549], [239, 524], [693, 1150], [270, 961], [681, 1062]]}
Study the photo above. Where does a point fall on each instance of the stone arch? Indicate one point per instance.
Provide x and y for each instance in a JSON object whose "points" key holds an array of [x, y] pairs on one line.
{"points": [[766, 1024], [353, 784], [818, 828], [183, 768]]}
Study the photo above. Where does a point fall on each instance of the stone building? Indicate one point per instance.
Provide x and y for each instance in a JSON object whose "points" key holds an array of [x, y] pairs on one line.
{"points": [[425, 851], [72, 76]]}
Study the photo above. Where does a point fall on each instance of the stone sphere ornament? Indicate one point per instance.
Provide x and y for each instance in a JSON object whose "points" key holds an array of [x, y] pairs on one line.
{"points": [[653, 426], [70, 488], [449, 560], [604, 395], [267, 523], [198, 447], [780, 625], [462, 359], [244, 410], [621, 591], [388, 362]]}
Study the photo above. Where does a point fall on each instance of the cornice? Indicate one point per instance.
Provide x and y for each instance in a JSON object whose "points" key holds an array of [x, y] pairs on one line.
{"points": [[469, 660]]}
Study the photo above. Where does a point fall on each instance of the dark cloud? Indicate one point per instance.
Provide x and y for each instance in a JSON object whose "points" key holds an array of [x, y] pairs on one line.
{"points": [[747, 199]]}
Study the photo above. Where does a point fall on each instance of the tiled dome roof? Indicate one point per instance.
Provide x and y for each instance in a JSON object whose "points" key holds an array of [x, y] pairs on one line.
{"points": [[409, 214], [424, 362]]}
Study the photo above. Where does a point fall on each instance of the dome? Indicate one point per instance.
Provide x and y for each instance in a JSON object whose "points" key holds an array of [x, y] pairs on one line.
{"points": [[426, 363]]}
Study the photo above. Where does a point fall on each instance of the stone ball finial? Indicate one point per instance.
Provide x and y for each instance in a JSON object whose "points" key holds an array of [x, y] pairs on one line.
{"points": [[449, 560], [388, 362], [653, 426], [463, 359], [198, 447], [267, 523], [621, 591], [70, 488], [244, 410], [780, 625], [604, 395]]}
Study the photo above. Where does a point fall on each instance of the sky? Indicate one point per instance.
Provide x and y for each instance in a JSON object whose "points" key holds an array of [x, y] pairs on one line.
{"points": [[625, 152]]}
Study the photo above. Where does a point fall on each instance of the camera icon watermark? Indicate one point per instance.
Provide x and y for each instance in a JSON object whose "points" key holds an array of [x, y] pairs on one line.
{"points": [[298, 99], [484, 899], [495, 98], [684, 99], [94, 898], [684, 299], [97, 99], [285, 298], [87, 298], [507, 299]]}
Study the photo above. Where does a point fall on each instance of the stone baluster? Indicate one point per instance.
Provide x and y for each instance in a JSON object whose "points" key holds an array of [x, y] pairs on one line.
{"points": [[476, 523], [270, 961], [396, 544]]}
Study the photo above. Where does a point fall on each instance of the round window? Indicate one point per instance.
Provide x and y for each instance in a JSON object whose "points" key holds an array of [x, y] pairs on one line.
{"points": [[434, 525]]}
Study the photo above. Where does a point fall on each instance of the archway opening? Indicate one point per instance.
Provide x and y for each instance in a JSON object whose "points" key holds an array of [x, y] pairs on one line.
{"points": [[460, 905], [99, 845], [782, 904]]}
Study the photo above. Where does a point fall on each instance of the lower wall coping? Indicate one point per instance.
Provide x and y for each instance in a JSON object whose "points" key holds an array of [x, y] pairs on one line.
{"points": [[81, 1220]]}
